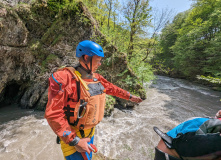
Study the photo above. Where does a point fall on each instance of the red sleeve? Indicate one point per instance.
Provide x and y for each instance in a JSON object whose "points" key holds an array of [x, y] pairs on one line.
{"points": [[57, 99], [112, 89]]}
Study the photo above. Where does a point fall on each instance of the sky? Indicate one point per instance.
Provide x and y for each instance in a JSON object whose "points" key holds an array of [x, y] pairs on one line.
{"points": [[177, 5]]}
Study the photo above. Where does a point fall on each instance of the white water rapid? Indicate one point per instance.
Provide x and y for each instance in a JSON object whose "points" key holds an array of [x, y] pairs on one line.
{"points": [[125, 135]]}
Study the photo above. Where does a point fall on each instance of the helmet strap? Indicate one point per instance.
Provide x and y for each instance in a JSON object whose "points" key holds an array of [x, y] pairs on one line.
{"points": [[91, 63], [88, 70]]}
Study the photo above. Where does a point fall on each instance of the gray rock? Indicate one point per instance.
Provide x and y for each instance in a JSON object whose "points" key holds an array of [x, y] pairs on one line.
{"points": [[15, 2], [35, 42], [12, 30], [41, 105]]}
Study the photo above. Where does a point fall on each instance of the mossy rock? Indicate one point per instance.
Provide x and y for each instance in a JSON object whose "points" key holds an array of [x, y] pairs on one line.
{"points": [[109, 107]]}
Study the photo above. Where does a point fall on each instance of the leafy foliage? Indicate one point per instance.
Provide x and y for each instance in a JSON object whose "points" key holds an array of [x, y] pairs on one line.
{"points": [[118, 24], [137, 15], [191, 44], [163, 57], [210, 79]]}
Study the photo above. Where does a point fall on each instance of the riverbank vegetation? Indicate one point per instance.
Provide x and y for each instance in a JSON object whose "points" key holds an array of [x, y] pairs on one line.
{"points": [[188, 47], [125, 25], [122, 27]]}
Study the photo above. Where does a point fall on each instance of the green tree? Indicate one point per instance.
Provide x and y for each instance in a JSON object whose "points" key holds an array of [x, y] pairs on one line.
{"points": [[113, 26], [199, 28], [137, 13], [109, 4], [160, 20], [163, 56]]}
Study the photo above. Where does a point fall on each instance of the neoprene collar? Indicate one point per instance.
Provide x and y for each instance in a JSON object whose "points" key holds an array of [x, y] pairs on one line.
{"points": [[84, 72]]}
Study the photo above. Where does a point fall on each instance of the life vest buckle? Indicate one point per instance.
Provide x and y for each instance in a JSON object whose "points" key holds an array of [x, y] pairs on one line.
{"points": [[82, 110]]}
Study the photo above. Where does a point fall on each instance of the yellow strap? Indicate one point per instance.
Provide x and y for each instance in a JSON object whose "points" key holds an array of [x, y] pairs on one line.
{"points": [[77, 76], [81, 80], [69, 150]]}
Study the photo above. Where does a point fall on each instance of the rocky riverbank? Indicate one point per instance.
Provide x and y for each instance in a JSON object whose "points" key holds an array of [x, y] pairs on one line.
{"points": [[38, 37]]}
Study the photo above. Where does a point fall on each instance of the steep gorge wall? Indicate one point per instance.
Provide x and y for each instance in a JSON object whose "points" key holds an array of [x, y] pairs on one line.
{"points": [[36, 39]]}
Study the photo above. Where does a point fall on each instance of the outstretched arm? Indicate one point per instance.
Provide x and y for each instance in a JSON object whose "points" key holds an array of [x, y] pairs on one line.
{"points": [[113, 90], [135, 99]]}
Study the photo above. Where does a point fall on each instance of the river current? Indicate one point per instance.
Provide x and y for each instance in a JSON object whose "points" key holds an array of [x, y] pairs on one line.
{"points": [[125, 135]]}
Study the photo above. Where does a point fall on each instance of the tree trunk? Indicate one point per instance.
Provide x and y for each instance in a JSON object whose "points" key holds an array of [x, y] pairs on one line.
{"points": [[132, 32], [131, 46], [108, 19]]}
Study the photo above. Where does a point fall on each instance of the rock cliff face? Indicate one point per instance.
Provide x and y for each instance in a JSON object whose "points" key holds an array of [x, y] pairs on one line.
{"points": [[36, 39]]}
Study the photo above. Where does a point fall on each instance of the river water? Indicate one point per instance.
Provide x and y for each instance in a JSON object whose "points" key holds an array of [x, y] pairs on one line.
{"points": [[125, 135]]}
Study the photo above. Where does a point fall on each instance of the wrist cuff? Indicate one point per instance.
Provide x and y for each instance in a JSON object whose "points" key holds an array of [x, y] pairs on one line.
{"points": [[130, 96], [75, 141]]}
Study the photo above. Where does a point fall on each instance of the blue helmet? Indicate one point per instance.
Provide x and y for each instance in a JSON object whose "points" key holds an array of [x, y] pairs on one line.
{"points": [[89, 48]]}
